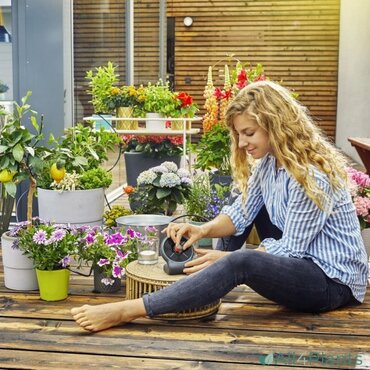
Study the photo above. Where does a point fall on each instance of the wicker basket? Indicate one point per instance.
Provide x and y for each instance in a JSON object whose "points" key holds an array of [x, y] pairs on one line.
{"points": [[141, 279]]}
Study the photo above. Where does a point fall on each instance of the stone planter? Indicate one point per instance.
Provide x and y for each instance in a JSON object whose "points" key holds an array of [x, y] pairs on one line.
{"points": [[19, 272], [77, 207], [137, 162]]}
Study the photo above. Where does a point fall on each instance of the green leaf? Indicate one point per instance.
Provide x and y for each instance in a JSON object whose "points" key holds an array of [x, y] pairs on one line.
{"points": [[80, 161], [10, 188], [3, 148], [162, 193], [93, 153], [18, 153], [30, 150], [4, 162], [35, 124]]}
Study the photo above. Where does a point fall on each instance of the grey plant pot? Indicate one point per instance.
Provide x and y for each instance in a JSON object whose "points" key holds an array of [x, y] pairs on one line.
{"points": [[137, 162], [77, 207]]}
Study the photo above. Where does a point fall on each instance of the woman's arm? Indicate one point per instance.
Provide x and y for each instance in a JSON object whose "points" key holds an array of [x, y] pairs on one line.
{"points": [[217, 228]]}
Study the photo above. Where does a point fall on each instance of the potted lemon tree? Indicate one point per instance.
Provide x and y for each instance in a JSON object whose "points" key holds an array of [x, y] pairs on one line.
{"points": [[71, 187], [21, 158]]}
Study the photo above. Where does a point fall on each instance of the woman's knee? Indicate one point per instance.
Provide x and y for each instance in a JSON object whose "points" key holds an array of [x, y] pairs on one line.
{"points": [[246, 262]]}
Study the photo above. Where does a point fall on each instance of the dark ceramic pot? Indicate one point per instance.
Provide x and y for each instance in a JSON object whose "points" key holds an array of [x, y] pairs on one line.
{"points": [[100, 287], [137, 162]]}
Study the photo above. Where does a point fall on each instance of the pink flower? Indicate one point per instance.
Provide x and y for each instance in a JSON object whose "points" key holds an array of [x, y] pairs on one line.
{"points": [[359, 186]]}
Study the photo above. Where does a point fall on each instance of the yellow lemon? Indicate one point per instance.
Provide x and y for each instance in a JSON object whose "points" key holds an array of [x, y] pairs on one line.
{"points": [[6, 175], [56, 173]]}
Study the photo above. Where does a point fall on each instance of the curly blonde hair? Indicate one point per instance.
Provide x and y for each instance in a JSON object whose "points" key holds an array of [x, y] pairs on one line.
{"points": [[296, 141]]}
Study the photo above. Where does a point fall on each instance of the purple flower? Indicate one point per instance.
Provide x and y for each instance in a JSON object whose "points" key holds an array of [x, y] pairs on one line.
{"points": [[120, 255], [103, 261], [66, 261], [40, 237], [151, 230], [117, 271], [116, 239], [130, 232], [89, 239], [57, 235]]}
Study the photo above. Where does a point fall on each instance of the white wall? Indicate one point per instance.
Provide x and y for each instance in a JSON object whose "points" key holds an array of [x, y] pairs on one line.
{"points": [[353, 111]]}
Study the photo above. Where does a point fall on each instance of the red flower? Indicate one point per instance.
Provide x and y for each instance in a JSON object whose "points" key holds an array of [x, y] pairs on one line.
{"points": [[242, 79], [227, 94], [260, 78], [218, 93], [186, 99]]}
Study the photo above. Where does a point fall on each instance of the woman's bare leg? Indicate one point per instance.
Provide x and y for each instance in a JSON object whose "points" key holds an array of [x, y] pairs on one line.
{"points": [[104, 316]]}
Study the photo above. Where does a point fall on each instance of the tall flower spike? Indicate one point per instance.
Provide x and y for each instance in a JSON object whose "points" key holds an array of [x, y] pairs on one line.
{"points": [[227, 84], [209, 77]]}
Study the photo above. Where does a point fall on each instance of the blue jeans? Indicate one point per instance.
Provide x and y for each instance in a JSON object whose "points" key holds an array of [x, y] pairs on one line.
{"points": [[295, 283]]}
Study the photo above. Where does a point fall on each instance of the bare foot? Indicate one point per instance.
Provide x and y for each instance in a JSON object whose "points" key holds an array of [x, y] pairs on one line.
{"points": [[104, 316]]}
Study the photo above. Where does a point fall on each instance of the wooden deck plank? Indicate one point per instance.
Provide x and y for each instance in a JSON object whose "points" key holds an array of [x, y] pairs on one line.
{"points": [[35, 334]]}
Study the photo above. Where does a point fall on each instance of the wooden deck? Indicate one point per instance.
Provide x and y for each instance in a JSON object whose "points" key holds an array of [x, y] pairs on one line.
{"points": [[247, 331]]}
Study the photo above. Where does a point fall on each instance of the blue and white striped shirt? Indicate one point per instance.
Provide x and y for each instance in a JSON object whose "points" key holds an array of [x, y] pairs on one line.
{"points": [[331, 239]]}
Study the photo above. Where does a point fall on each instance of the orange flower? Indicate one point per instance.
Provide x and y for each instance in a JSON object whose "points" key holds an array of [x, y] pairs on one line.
{"points": [[128, 189]]}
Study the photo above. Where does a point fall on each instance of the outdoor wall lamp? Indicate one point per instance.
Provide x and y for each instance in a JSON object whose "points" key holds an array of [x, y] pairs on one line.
{"points": [[188, 21]]}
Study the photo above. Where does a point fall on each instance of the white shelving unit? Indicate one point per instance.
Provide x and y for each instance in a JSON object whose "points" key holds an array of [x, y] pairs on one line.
{"points": [[186, 134]]}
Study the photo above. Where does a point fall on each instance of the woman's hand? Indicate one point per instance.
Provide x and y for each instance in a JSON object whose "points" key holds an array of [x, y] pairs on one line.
{"points": [[206, 257], [175, 231]]}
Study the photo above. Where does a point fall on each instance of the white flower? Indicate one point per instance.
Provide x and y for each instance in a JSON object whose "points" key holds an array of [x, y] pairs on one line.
{"points": [[171, 166], [146, 177], [186, 181], [160, 169], [169, 180], [182, 172]]}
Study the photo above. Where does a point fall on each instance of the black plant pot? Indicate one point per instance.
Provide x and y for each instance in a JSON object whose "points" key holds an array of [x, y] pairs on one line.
{"points": [[100, 287], [137, 162]]}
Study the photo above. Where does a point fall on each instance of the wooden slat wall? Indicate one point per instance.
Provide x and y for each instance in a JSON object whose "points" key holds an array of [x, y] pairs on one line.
{"points": [[295, 40], [99, 36]]}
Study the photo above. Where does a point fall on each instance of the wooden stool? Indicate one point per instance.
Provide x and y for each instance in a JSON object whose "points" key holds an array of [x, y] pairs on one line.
{"points": [[141, 279]]}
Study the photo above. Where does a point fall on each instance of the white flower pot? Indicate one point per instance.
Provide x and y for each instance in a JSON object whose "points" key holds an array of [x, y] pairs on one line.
{"points": [[19, 272], [77, 207], [156, 124]]}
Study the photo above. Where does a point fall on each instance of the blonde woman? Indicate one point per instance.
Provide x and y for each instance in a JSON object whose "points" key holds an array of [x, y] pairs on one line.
{"points": [[318, 263]]}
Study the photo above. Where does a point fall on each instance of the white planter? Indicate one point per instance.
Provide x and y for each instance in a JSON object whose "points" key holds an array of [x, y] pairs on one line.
{"points": [[19, 273], [77, 207], [156, 124]]}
